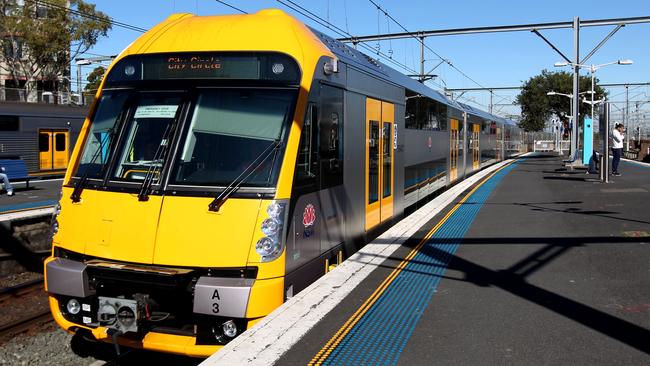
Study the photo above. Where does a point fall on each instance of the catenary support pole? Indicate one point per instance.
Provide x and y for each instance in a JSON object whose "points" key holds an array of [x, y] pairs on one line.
{"points": [[576, 85]]}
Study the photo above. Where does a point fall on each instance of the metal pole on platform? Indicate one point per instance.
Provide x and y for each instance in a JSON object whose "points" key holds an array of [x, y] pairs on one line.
{"points": [[605, 166], [422, 60], [627, 113], [576, 85]]}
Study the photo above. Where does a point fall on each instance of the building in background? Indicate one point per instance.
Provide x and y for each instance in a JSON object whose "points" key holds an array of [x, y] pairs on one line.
{"points": [[24, 77]]}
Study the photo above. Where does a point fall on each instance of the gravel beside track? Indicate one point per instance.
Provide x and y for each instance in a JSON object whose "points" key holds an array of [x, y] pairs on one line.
{"points": [[51, 346]]}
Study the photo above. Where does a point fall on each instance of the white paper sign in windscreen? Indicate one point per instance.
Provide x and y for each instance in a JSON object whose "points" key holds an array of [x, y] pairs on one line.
{"points": [[156, 111]]}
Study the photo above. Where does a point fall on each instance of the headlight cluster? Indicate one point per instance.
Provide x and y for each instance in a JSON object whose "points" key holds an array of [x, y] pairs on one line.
{"points": [[54, 223], [270, 246]]}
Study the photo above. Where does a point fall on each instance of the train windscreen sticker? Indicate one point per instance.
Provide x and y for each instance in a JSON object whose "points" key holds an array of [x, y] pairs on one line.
{"points": [[156, 111]]}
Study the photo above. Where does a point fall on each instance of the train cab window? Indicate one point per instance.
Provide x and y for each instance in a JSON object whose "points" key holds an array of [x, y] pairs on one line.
{"points": [[100, 136], [147, 138], [330, 131], [9, 123], [231, 136]]}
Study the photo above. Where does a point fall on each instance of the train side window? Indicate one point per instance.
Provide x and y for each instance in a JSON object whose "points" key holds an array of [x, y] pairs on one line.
{"points": [[43, 142], [307, 163], [59, 142], [9, 123], [330, 131]]}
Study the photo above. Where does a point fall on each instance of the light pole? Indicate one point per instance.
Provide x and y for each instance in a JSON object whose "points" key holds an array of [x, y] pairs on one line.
{"points": [[79, 63], [592, 69], [85, 62], [572, 119]]}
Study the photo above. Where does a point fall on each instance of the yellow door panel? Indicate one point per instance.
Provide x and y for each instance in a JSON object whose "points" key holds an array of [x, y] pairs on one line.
{"points": [[387, 160], [453, 150], [110, 225], [60, 149], [373, 162], [45, 149], [190, 235]]}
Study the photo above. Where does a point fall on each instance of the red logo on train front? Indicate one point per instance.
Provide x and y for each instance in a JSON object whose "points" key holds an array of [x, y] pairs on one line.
{"points": [[309, 215]]}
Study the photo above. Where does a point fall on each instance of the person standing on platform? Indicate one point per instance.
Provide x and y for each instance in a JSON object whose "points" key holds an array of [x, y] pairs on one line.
{"points": [[5, 181], [617, 147]]}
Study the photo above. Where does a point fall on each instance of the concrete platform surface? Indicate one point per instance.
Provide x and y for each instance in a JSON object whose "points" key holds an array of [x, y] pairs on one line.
{"points": [[539, 265]]}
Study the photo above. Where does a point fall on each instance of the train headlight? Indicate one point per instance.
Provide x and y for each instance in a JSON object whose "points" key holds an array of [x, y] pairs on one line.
{"points": [[270, 227], [229, 328], [277, 68], [275, 209], [266, 246], [54, 223], [55, 226], [73, 306], [129, 70], [271, 246]]}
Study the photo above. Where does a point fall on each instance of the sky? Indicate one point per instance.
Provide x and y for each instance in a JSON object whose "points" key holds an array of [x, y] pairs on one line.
{"points": [[485, 60]]}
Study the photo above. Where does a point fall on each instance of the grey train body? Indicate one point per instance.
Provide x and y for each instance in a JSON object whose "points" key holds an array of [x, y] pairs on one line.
{"points": [[422, 162]]}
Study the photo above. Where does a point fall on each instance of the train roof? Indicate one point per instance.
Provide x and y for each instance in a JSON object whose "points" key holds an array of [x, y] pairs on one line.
{"points": [[368, 64], [271, 29], [24, 109]]}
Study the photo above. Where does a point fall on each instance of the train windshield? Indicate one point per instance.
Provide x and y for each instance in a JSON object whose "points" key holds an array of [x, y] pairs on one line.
{"points": [[227, 136], [147, 136], [101, 135]]}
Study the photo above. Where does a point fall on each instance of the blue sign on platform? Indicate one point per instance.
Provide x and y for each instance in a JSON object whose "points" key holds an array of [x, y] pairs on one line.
{"points": [[588, 140]]}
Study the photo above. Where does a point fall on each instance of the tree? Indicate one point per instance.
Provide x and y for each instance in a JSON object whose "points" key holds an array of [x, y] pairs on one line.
{"points": [[94, 79], [537, 107], [40, 38]]}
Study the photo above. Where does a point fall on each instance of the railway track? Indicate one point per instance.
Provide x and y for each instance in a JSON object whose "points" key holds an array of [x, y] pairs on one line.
{"points": [[38, 317]]}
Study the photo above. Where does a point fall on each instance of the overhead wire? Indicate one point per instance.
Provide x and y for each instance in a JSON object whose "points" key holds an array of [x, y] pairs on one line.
{"points": [[231, 6], [421, 41], [107, 20], [317, 19]]}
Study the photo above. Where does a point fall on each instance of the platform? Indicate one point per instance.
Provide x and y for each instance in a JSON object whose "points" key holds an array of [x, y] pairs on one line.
{"points": [[531, 264], [40, 197]]}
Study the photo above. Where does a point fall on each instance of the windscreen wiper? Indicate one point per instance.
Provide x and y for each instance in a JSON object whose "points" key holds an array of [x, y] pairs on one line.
{"points": [[81, 183], [272, 149], [158, 156]]}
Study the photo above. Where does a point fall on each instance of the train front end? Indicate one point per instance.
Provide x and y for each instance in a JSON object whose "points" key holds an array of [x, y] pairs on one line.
{"points": [[171, 228]]}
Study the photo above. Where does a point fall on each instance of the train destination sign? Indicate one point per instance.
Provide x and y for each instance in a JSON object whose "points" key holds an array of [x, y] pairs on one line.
{"points": [[205, 66]]}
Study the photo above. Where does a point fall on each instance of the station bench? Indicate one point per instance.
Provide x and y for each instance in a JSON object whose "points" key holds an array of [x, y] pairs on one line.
{"points": [[16, 170]]}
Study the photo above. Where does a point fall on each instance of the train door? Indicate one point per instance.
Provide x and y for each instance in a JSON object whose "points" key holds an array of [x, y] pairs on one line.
{"points": [[53, 149], [499, 152], [476, 146], [453, 149], [379, 161]]}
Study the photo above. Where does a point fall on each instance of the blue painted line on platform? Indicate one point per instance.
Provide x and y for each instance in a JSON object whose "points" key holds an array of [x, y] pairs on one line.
{"points": [[381, 334], [26, 206], [636, 164]]}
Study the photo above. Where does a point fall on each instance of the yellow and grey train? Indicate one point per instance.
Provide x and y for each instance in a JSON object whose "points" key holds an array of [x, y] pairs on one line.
{"points": [[39, 134], [230, 161]]}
